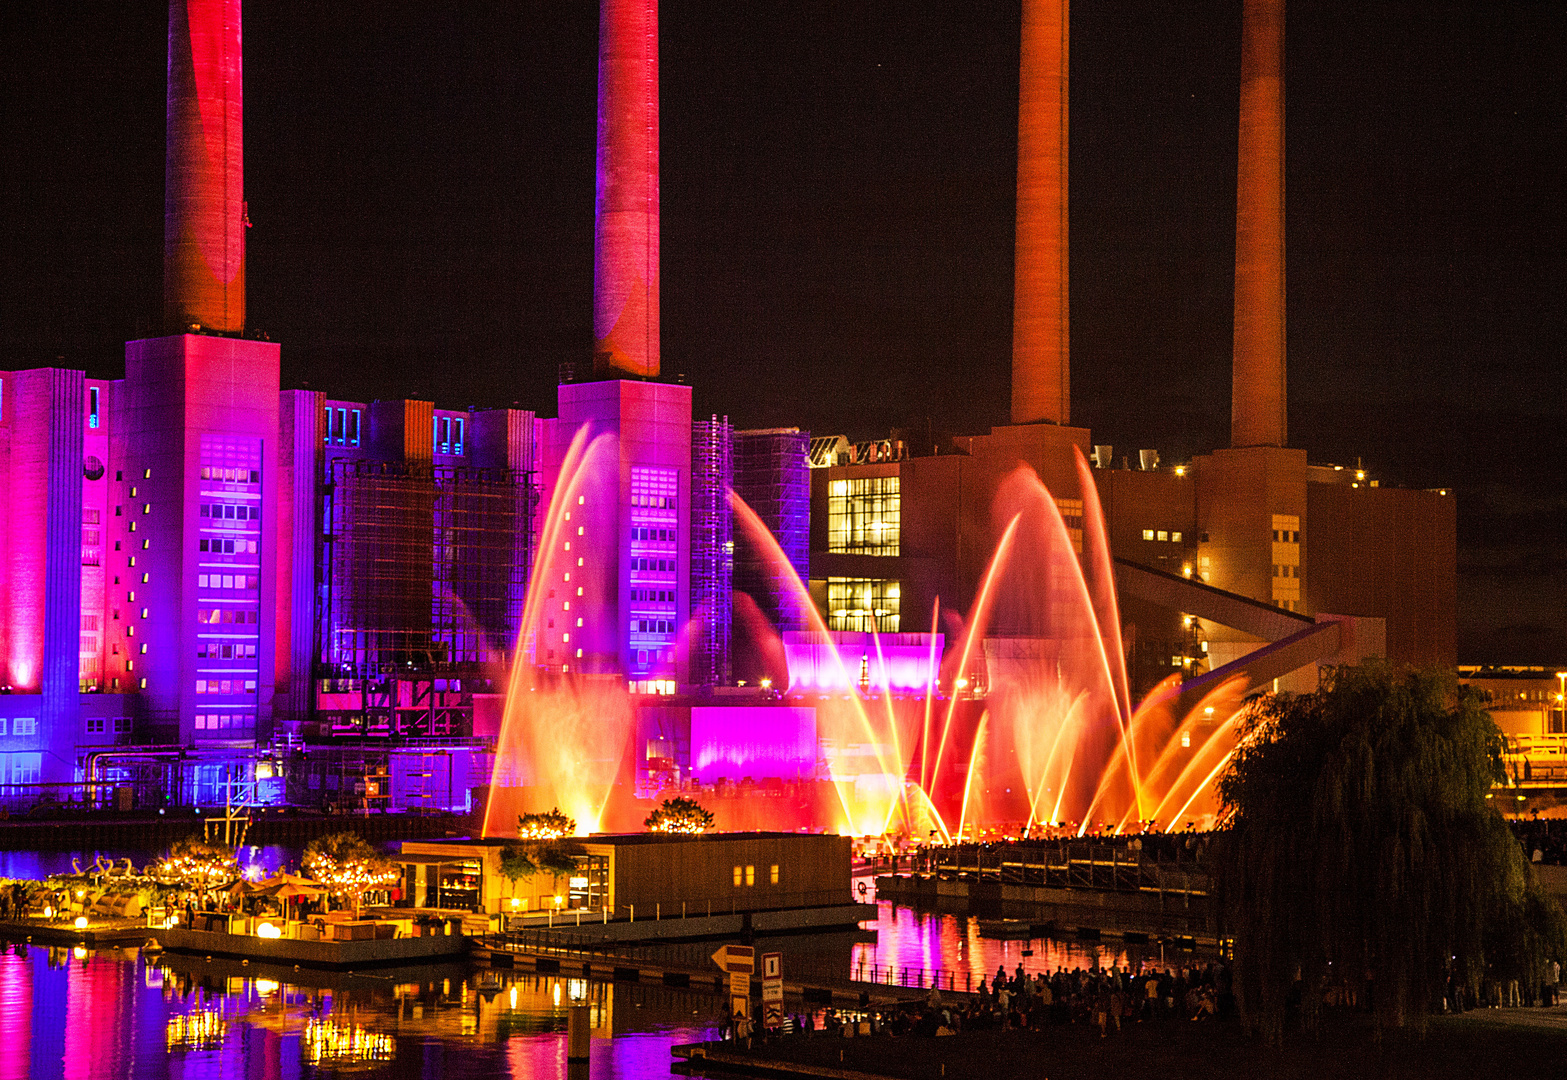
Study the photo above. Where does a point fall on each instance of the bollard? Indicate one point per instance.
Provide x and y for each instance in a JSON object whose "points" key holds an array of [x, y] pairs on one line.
{"points": [[577, 1038]]}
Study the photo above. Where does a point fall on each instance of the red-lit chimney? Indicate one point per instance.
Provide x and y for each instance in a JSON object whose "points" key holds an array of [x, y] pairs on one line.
{"points": [[1257, 403], [204, 195], [625, 235], [1040, 338]]}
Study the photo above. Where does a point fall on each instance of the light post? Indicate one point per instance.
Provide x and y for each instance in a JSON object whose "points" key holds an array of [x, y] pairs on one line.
{"points": [[1561, 701]]}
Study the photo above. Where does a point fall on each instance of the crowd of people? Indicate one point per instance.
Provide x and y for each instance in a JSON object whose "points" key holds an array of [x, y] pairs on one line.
{"points": [[1106, 998], [1543, 840]]}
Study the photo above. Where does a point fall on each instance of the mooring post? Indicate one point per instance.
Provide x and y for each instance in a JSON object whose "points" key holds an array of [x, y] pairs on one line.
{"points": [[577, 1041]]}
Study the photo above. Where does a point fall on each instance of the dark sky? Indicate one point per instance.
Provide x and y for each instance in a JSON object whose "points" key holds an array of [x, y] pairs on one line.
{"points": [[837, 223]]}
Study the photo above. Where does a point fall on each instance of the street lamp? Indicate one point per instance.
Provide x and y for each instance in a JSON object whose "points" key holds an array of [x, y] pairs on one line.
{"points": [[1561, 699]]}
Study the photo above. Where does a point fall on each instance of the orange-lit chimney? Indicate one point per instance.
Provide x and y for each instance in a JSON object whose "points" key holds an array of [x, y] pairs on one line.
{"points": [[204, 192], [1040, 373], [1257, 404]]}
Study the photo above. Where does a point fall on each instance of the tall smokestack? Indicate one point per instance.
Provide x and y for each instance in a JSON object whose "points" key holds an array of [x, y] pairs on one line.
{"points": [[1257, 403], [625, 234], [1040, 372], [204, 194]]}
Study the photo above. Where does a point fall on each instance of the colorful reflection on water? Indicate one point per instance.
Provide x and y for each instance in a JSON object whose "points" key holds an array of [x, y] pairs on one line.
{"points": [[78, 1014], [910, 942]]}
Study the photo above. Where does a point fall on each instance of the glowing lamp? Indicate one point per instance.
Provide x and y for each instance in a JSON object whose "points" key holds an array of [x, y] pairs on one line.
{"points": [[81, 922], [79, 952], [961, 684], [266, 986], [516, 902], [48, 912], [267, 930], [559, 900]]}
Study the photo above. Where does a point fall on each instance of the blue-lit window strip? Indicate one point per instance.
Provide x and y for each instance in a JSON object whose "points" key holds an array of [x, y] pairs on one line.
{"points": [[342, 426], [92, 406], [446, 435]]}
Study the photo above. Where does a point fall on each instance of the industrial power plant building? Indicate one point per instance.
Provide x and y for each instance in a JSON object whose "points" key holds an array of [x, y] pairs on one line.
{"points": [[200, 567]]}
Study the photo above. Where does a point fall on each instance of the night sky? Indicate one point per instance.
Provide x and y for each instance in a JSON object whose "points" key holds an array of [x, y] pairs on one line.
{"points": [[837, 224]]}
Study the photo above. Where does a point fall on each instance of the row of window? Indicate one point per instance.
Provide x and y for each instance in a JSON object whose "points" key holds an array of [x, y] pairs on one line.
{"points": [[230, 511], [653, 535], [746, 875], [227, 581], [215, 616], [219, 651], [652, 596], [1286, 536], [98, 725], [22, 725], [1162, 535], [223, 721], [1285, 571], [229, 547], [225, 686], [229, 474], [656, 566], [652, 626]]}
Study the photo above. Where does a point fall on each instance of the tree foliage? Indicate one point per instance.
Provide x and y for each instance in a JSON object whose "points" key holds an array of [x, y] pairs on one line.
{"points": [[680, 815], [348, 865], [551, 825], [534, 857], [1363, 851], [194, 863]]}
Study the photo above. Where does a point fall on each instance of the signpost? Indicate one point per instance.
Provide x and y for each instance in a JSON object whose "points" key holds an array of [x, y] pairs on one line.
{"points": [[772, 990], [739, 961]]}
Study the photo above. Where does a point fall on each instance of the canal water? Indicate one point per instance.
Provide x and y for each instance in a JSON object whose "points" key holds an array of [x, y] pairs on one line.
{"points": [[78, 1014]]}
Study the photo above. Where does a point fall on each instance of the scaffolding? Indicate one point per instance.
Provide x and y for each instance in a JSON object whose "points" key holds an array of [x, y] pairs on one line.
{"points": [[772, 475], [425, 569], [712, 550]]}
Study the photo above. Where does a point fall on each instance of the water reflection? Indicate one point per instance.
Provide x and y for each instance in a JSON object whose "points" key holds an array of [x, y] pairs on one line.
{"points": [[113, 1012], [909, 942]]}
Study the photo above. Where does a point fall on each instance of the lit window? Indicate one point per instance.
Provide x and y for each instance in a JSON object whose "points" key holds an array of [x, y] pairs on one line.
{"points": [[1147, 534], [750, 875], [772, 874], [738, 872], [1175, 537], [92, 408], [863, 516], [1163, 535]]}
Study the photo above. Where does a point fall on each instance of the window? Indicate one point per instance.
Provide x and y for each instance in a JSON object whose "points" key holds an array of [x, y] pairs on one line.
{"points": [[750, 875], [1147, 534], [863, 515], [863, 604], [25, 725], [738, 872], [772, 874], [94, 724], [92, 406], [1175, 537]]}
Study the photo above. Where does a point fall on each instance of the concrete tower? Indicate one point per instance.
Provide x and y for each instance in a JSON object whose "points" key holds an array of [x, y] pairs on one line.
{"points": [[1257, 404], [204, 196], [625, 234], [1040, 373]]}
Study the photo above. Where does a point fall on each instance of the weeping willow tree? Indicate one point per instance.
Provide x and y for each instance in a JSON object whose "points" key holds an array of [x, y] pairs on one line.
{"points": [[1363, 853]]}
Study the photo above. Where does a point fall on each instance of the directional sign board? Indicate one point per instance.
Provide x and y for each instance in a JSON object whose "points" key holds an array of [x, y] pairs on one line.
{"points": [[740, 983], [772, 965], [733, 958], [772, 1014]]}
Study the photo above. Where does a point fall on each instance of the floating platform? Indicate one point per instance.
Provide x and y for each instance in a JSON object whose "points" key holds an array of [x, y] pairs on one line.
{"points": [[339, 955]]}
